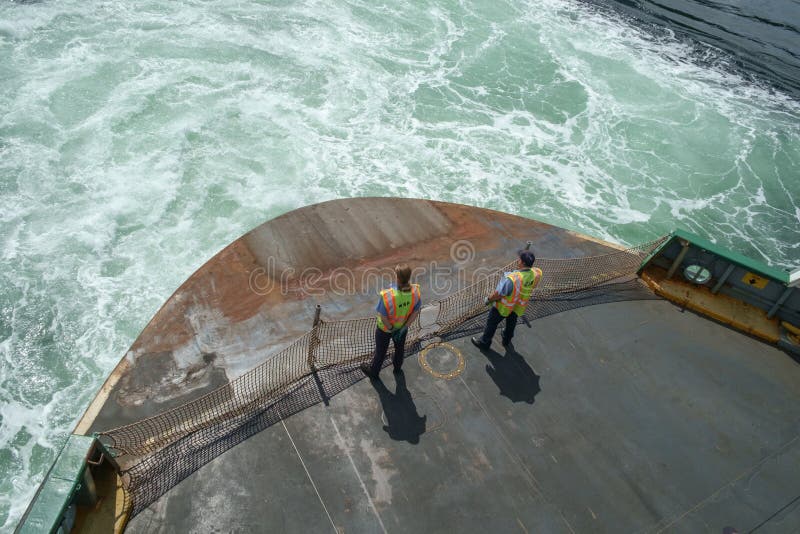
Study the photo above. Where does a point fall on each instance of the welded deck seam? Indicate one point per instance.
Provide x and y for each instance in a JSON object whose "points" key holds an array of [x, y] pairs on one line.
{"points": [[743, 474], [313, 485], [509, 450], [532, 479], [358, 475]]}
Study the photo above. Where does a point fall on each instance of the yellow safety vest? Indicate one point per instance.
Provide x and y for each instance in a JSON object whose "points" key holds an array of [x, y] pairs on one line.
{"points": [[524, 284], [399, 305]]}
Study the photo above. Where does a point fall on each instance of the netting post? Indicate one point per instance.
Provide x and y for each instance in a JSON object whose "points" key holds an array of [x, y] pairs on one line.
{"points": [[313, 343], [317, 311]]}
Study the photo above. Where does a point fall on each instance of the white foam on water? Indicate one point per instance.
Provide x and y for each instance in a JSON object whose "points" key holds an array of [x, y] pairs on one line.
{"points": [[138, 140]]}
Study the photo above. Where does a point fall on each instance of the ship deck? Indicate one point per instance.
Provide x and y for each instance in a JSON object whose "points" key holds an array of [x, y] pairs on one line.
{"points": [[621, 417], [629, 416]]}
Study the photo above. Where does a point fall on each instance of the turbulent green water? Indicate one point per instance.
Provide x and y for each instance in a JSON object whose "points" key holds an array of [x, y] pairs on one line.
{"points": [[137, 139]]}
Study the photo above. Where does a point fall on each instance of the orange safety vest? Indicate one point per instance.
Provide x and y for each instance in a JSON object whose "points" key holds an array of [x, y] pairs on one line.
{"points": [[524, 284], [399, 305]]}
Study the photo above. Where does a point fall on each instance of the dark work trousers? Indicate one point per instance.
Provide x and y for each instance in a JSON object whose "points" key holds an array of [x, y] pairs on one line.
{"points": [[492, 321], [382, 345]]}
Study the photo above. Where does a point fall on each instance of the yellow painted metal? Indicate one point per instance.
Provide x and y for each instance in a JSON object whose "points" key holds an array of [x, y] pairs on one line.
{"points": [[791, 328], [423, 361], [752, 279], [722, 308], [792, 332], [111, 513]]}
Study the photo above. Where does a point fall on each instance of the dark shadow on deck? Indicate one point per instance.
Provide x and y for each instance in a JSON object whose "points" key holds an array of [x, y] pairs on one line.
{"points": [[403, 423], [512, 374]]}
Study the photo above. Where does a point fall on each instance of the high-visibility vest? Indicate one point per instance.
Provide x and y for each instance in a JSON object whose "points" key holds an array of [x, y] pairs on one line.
{"points": [[399, 305], [524, 283]]}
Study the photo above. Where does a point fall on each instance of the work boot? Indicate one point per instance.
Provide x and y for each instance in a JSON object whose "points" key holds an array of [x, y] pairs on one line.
{"points": [[367, 370], [477, 342]]}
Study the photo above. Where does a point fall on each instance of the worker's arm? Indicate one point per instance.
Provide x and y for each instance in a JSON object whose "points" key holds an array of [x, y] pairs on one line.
{"points": [[494, 297], [504, 289], [412, 316], [385, 320]]}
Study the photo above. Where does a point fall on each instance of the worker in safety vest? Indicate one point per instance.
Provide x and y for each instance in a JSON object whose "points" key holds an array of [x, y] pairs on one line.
{"points": [[510, 299], [397, 308]]}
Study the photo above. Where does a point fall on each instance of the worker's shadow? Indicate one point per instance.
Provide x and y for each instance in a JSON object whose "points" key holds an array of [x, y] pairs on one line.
{"points": [[403, 423], [513, 375]]}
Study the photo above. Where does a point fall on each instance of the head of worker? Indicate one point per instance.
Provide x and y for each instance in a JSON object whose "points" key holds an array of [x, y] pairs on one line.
{"points": [[526, 259], [402, 273]]}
